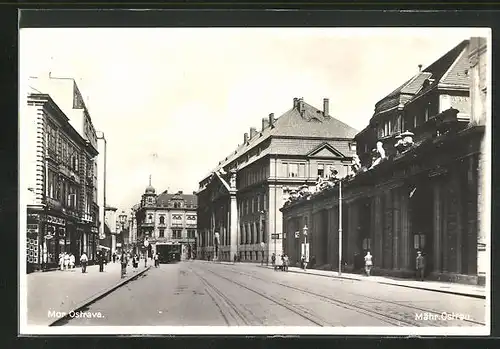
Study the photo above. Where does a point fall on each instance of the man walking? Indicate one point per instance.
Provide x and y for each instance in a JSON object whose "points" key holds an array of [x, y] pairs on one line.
{"points": [[123, 261], [101, 261], [420, 264], [83, 261]]}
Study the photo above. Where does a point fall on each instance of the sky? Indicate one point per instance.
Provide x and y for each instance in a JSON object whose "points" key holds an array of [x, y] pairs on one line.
{"points": [[173, 102]]}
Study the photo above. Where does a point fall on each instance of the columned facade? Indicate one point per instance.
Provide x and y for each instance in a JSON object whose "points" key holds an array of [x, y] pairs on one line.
{"points": [[241, 198]]}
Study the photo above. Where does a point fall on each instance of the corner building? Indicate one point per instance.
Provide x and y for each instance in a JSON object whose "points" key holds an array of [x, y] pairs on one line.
{"points": [[427, 196], [61, 160], [239, 200], [167, 218]]}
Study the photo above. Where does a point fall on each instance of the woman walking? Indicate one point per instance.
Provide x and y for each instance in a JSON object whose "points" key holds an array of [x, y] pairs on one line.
{"points": [[368, 263]]}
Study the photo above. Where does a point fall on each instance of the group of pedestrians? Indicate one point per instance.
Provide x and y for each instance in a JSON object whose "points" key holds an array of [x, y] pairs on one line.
{"points": [[66, 261], [368, 264], [284, 262]]}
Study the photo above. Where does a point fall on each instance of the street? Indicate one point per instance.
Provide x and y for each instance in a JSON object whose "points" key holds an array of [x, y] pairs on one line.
{"points": [[198, 293]]}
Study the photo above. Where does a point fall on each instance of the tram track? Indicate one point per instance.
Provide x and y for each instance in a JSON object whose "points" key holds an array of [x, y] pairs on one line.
{"points": [[297, 310], [396, 319]]}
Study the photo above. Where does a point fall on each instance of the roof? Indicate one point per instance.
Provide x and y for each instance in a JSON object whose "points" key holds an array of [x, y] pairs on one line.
{"points": [[450, 69], [292, 124], [165, 197]]}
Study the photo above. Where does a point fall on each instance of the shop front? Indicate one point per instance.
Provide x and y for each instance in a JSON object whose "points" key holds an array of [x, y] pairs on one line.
{"points": [[44, 231]]}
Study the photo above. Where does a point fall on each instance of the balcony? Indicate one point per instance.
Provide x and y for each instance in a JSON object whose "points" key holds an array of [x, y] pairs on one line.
{"points": [[52, 203], [86, 218]]}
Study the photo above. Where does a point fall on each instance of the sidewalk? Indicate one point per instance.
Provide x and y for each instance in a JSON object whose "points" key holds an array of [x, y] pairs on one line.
{"points": [[63, 291], [444, 287]]}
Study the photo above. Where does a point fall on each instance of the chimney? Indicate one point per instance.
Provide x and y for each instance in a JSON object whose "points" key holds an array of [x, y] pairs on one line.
{"points": [[295, 103], [271, 120], [325, 106], [265, 123], [253, 132], [245, 138], [301, 106], [180, 192], [419, 68], [194, 193]]}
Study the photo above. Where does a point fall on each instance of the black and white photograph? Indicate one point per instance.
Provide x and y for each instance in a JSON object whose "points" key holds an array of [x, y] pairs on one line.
{"points": [[191, 181]]}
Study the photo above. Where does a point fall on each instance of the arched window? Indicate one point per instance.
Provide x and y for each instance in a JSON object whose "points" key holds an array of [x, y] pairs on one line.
{"points": [[150, 218], [162, 220]]}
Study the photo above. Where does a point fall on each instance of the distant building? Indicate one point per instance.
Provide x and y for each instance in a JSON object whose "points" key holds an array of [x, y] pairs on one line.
{"points": [[422, 190], [239, 200], [167, 218], [62, 215]]}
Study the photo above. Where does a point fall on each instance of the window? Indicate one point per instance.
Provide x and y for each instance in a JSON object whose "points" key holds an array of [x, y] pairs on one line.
{"points": [[162, 233], [162, 219], [52, 185], [367, 244], [176, 234], [415, 121], [321, 170], [264, 232], [352, 146], [293, 170], [150, 218], [426, 114]]}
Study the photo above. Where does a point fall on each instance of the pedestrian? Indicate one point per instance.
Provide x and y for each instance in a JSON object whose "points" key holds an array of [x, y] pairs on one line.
{"points": [[304, 262], [368, 263], [273, 261], [136, 261], [313, 261], [235, 258], [101, 261], [157, 263], [114, 257], [420, 264], [83, 260], [66, 261], [286, 262], [123, 261], [61, 261], [71, 261]]}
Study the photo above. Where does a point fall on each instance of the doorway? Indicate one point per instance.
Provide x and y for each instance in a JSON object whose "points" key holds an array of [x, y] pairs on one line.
{"points": [[422, 223]]}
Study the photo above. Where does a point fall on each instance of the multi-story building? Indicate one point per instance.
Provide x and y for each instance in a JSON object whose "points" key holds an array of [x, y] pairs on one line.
{"points": [[420, 191], [239, 200], [62, 214], [122, 231], [167, 218]]}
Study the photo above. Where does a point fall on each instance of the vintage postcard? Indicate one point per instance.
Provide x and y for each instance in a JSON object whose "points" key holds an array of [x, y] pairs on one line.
{"points": [[255, 181]]}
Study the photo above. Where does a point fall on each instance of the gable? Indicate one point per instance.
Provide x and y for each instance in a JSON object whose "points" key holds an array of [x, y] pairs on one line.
{"points": [[325, 150]]}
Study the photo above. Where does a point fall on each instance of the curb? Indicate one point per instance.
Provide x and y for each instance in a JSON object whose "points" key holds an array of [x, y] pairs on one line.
{"points": [[97, 296], [458, 293]]}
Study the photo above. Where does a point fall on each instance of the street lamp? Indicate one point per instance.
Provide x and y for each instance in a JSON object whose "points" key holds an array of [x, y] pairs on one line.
{"points": [[306, 250], [146, 245]]}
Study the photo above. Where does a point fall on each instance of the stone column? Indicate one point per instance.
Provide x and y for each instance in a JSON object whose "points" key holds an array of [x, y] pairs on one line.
{"points": [[397, 228], [405, 231], [233, 234], [113, 243], [437, 226]]}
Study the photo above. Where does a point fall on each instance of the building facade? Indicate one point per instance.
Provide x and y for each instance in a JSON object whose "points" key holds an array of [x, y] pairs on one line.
{"points": [[239, 201], [62, 212], [420, 191], [167, 218]]}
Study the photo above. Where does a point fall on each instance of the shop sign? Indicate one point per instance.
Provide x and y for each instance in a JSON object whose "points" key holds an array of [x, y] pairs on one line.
{"points": [[55, 220], [34, 216]]}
